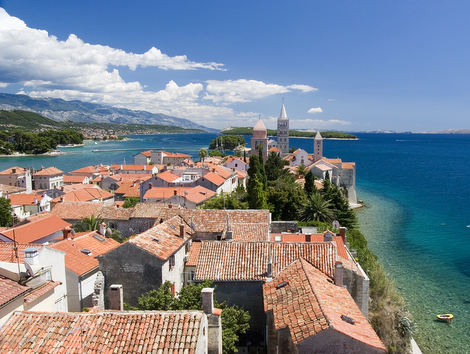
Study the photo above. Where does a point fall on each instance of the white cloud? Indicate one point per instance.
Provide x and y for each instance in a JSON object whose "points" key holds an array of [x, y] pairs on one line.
{"points": [[331, 100], [35, 58], [315, 110], [240, 90], [303, 88], [75, 70]]}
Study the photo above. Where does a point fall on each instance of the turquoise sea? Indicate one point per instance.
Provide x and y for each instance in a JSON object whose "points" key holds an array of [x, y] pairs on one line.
{"points": [[416, 191]]}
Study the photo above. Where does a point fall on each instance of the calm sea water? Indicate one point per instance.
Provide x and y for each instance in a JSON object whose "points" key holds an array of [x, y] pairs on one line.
{"points": [[416, 189]]}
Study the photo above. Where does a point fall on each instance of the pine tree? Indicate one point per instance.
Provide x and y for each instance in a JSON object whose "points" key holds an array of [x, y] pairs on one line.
{"points": [[309, 186]]}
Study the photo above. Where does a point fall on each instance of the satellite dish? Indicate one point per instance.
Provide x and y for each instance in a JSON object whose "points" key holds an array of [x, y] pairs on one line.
{"points": [[29, 270], [335, 224], [108, 231], [72, 232], [193, 226]]}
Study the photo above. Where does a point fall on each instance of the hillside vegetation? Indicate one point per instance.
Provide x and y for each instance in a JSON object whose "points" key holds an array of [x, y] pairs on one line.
{"points": [[31, 121], [292, 133]]}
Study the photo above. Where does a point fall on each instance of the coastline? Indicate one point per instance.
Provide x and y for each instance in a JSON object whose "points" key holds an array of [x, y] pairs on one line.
{"points": [[50, 153]]}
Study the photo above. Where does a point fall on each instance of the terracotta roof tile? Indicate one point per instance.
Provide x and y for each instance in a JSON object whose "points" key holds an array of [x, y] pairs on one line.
{"points": [[37, 228], [132, 167], [167, 176], [24, 199], [102, 332], [7, 251], [228, 261], [162, 240], [308, 303], [74, 179], [194, 254], [198, 194], [10, 289], [6, 189], [129, 189], [214, 178], [78, 261], [83, 195], [48, 172], [77, 210], [250, 232], [9, 171], [41, 291], [165, 192]]}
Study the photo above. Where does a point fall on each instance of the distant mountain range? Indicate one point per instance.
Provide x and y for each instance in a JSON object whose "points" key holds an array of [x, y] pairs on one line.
{"points": [[79, 111]]}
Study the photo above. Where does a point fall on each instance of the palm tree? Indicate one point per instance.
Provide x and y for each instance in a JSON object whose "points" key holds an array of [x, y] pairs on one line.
{"points": [[91, 223], [317, 209], [202, 154], [302, 170]]}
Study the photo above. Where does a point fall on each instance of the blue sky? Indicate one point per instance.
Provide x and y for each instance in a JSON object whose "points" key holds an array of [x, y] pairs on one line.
{"points": [[342, 65]]}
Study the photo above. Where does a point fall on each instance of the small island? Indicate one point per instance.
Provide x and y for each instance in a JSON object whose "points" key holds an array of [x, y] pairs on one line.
{"points": [[292, 133]]}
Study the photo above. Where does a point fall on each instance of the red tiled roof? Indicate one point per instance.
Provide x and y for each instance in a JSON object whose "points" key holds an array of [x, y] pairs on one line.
{"points": [[162, 240], [44, 225], [91, 169], [102, 332], [349, 165], [131, 177], [167, 176], [48, 172], [24, 199], [83, 195], [214, 178], [79, 262], [7, 251], [6, 189], [9, 171], [193, 254], [10, 289], [129, 189], [132, 167], [74, 179], [275, 149], [199, 194], [165, 192], [221, 260], [176, 154], [250, 232], [41, 291], [309, 303], [77, 210], [223, 172]]}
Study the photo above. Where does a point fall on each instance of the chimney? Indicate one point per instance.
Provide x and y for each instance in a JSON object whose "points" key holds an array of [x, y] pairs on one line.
{"points": [[62, 199], [214, 324], [308, 238], [182, 231], [175, 192], [338, 273], [208, 300], [229, 235], [115, 297], [65, 232], [327, 236], [342, 233], [35, 200], [103, 229]]}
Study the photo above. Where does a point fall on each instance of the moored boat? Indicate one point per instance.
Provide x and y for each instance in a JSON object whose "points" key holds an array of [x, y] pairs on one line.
{"points": [[445, 318]]}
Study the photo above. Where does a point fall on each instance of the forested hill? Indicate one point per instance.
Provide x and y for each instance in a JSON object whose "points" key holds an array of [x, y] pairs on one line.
{"points": [[78, 111], [292, 133]]}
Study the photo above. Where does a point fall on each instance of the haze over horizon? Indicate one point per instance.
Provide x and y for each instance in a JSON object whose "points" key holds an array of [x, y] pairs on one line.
{"points": [[350, 66]]}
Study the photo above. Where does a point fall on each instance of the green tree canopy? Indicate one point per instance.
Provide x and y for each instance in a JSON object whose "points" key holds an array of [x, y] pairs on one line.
{"points": [[318, 209], [228, 142], [285, 198], [235, 320], [225, 201], [274, 166], [6, 212], [203, 154]]}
